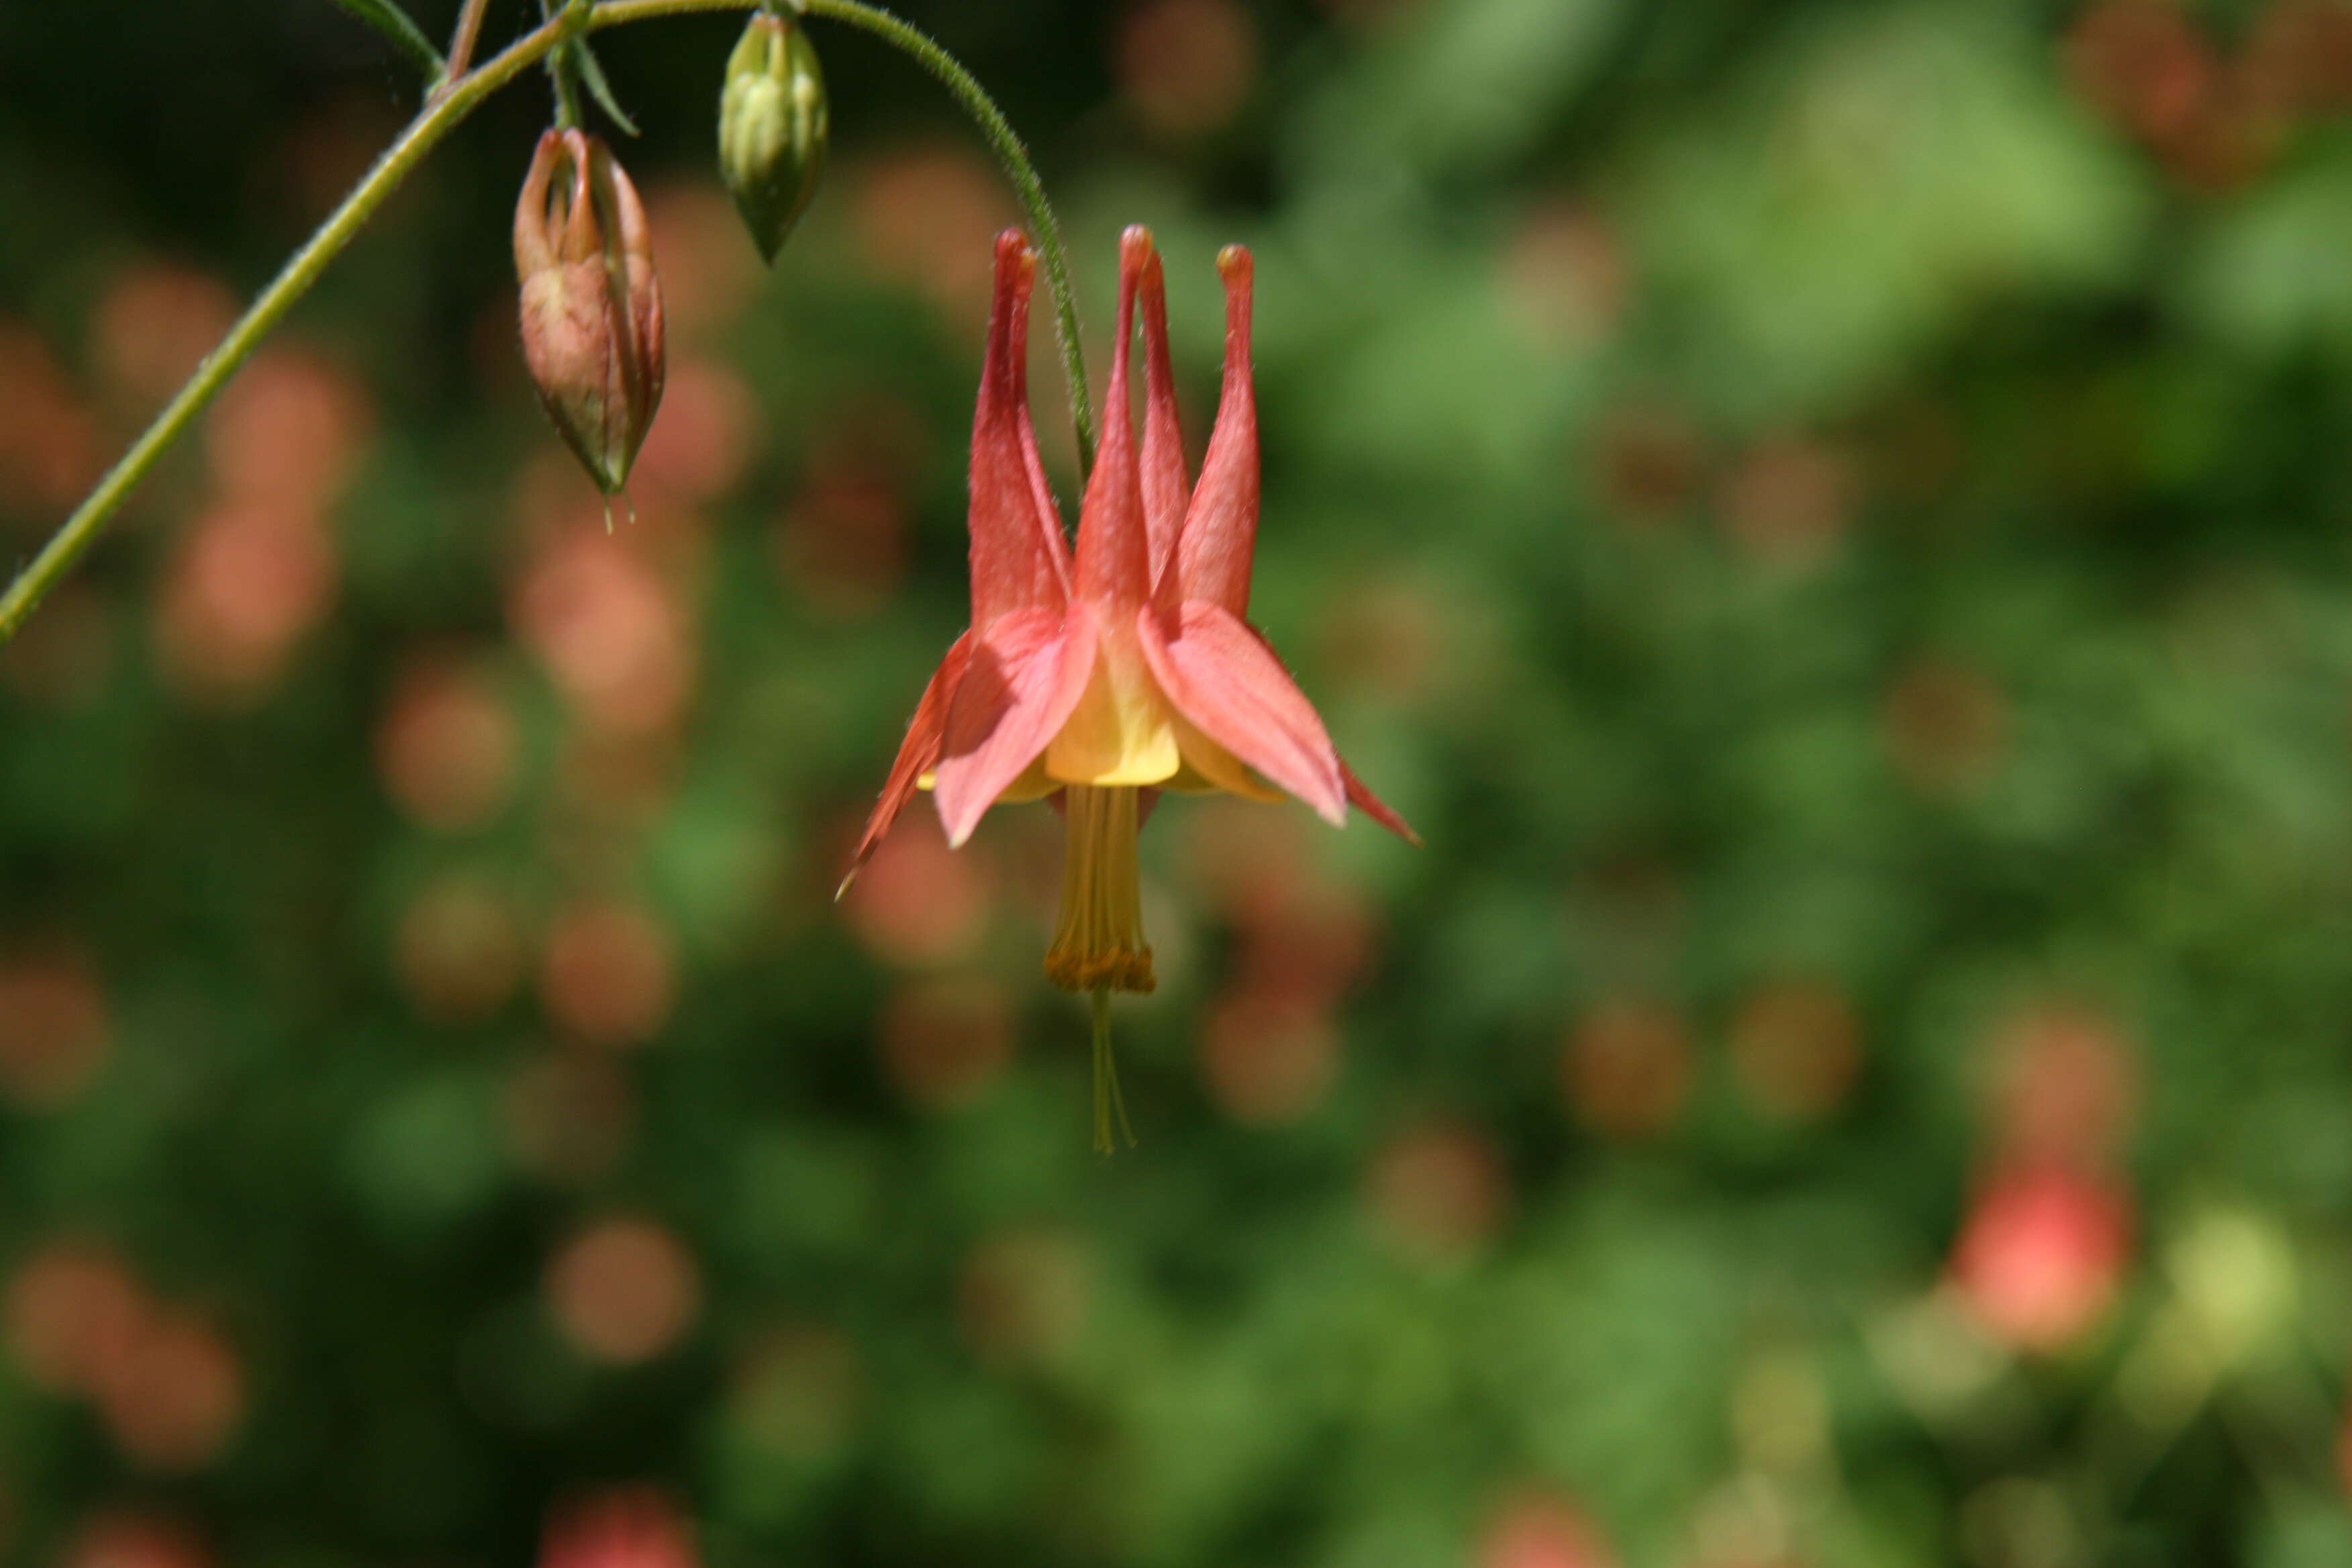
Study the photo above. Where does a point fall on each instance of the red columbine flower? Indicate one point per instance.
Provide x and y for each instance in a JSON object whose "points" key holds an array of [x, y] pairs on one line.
{"points": [[1129, 670]]}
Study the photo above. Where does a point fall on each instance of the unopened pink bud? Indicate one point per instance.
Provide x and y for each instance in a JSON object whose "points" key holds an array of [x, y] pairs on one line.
{"points": [[592, 307]]}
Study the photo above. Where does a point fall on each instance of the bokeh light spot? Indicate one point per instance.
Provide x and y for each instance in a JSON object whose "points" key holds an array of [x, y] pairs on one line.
{"points": [[624, 1291]]}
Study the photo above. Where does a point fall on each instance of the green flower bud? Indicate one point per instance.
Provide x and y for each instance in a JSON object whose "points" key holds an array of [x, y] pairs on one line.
{"points": [[773, 127], [591, 306]]}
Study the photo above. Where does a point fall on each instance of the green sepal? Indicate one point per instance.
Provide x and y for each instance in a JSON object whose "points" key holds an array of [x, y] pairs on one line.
{"points": [[774, 127], [592, 77], [395, 24]]}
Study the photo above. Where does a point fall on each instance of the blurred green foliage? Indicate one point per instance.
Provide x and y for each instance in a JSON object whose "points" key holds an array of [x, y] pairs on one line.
{"points": [[1831, 520]]}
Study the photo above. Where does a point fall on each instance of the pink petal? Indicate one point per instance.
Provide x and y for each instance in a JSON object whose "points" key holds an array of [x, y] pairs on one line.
{"points": [[1018, 559], [1360, 797], [917, 753], [1164, 482], [1223, 678], [1057, 547], [1026, 673], [1114, 565], [1220, 535]]}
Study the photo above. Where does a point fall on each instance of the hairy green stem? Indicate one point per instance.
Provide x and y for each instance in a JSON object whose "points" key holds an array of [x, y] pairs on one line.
{"points": [[563, 82], [450, 103], [462, 39], [563, 70], [1015, 157]]}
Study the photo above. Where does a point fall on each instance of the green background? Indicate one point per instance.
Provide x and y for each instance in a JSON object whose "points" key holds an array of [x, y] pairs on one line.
{"points": [[1829, 518]]}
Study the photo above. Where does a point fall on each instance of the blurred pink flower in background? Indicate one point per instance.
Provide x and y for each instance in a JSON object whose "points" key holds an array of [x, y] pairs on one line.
{"points": [[2047, 1240], [1628, 1068], [1186, 66], [2214, 122], [48, 443], [72, 1308], [1946, 727], [1311, 937], [448, 744], [946, 1039], [154, 325], [1268, 1058], [918, 903], [627, 1527], [1565, 275], [53, 1026], [287, 432], [121, 1539], [2297, 60], [1438, 1189], [2145, 65], [625, 1290], [1298, 931], [2065, 1087], [1796, 1048], [705, 439], [1539, 1531], [168, 1386], [1787, 502], [2041, 1255], [249, 580], [174, 1395], [924, 216], [609, 976], [709, 275], [611, 633], [260, 571]]}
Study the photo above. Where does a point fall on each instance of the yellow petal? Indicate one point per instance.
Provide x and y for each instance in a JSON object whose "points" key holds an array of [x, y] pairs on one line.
{"points": [[1033, 783], [1209, 768], [1123, 732]]}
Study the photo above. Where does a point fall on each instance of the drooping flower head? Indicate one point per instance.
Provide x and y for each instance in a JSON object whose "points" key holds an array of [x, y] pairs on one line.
{"points": [[1104, 679], [592, 330]]}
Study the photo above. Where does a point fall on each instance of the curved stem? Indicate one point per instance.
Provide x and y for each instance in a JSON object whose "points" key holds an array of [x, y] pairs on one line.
{"points": [[448, 106], [1015, 158], [423, 133], [461, 45]]}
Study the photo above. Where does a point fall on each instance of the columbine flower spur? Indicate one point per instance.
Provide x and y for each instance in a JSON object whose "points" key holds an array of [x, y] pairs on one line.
{"points": [[1100, 681]]}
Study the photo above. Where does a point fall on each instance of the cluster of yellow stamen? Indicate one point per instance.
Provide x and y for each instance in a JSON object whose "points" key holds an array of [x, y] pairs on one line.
{"points": [[1099, 945]]}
